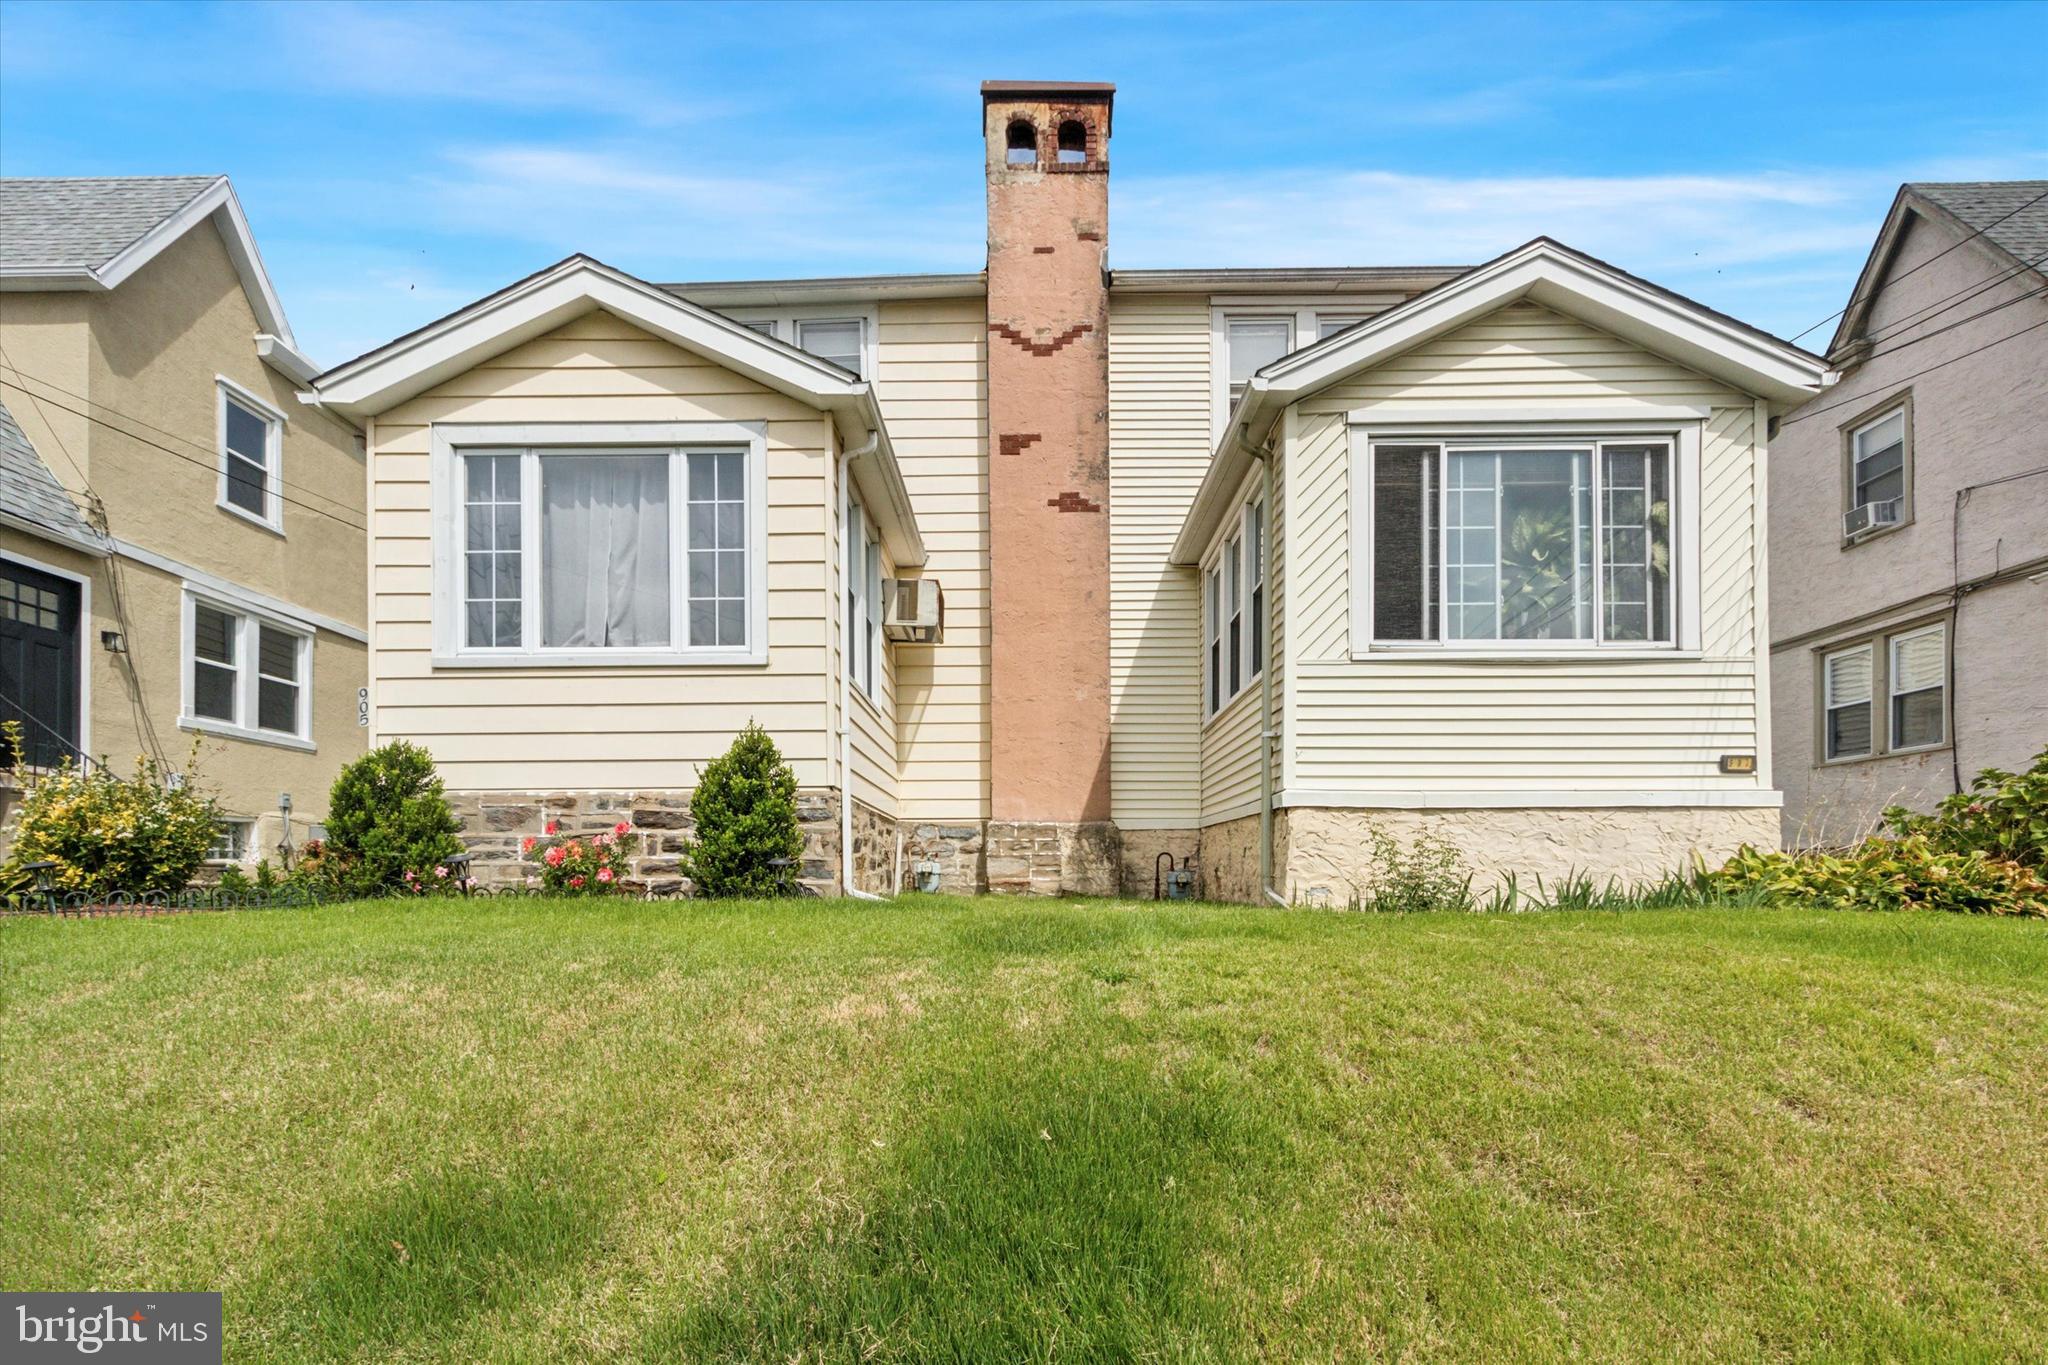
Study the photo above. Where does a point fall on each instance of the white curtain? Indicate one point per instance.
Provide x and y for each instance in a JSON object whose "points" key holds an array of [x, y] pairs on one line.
{"points": [[604, 533]]}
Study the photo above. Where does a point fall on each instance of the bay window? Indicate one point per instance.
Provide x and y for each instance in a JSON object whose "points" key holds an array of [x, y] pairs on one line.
{"points": [[1521, 543], [601, 554]]}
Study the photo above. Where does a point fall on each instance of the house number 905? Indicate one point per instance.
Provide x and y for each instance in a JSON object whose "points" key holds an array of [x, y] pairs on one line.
{"points": [[363, 707]]}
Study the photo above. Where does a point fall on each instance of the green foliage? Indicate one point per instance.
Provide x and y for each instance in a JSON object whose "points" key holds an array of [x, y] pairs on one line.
{"points": [[1426, 875], [388, 824], [1912, 873], [1981, 852], [744, 810], [107, 834], [582, 867], [2003, 815]]}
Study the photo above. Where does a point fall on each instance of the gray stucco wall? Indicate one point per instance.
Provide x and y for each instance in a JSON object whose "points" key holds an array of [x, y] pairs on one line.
{"points": [[1982, 418]]}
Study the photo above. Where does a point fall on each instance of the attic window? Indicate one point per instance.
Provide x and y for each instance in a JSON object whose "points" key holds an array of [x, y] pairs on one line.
{"points": [[1073, 143], [1023, 143]]}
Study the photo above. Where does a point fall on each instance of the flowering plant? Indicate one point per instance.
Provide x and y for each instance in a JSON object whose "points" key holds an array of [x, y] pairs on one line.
{"points": [[581, 867]]}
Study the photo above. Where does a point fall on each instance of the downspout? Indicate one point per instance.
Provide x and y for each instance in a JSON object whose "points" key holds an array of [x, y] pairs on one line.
{"points": [[1267, 734], [846, 459]]}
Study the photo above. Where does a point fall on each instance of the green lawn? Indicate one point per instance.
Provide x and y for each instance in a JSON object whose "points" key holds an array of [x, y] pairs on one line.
{"points": [[993, 1130]]}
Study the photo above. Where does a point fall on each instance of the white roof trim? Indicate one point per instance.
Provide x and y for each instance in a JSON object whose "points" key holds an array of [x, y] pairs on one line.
{"points": [[1543, 272], [274, 342], [405, 368]]}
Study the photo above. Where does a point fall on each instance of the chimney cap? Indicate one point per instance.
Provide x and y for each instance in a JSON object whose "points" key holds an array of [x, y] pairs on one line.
{"points": [[1054, 92]]}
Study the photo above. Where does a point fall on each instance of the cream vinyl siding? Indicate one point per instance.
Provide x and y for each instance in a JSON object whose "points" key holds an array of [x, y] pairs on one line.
{"points": [[1409, 728], [1159, 448], [1230, 743], [630, 728], [931, 382]]}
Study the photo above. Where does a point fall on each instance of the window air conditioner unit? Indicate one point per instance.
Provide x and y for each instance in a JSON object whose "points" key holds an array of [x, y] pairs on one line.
{"points": [[913, 611], [1871, 516]]}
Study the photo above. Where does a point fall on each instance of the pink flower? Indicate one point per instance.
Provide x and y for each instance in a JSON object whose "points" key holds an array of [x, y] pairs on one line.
{"points": [[576, 881], [440, 872], [408, 874], [623, 827], [527, 847], [553, 857], [604, 874], [551, 827], [576, 847]]}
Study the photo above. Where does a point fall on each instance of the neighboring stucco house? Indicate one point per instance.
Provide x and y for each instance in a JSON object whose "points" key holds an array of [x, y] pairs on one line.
{"points": [[181, 537], [1490, 540], [1909, 520]]}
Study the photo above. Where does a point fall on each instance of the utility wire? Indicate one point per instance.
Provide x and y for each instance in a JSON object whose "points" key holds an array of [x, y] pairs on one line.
{"points": [[1894, 279], [1815, 412], [210, 466], [211, 462], [1959, 322], [1943, 304]]}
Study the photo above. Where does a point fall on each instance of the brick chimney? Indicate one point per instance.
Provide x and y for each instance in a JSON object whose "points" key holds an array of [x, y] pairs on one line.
{"points": [[1048, 487]]}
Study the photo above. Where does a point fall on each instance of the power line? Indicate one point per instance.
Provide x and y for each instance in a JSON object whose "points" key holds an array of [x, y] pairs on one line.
{"points": [[1894, 279], [1978, 350], [208, 449], [1959, 322], [207, 465], [1948, 301]]}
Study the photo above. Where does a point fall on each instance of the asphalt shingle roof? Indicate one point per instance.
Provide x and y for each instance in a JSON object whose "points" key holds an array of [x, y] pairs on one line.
{"points": [[84, 223], [29, 491], [2012, 214]]}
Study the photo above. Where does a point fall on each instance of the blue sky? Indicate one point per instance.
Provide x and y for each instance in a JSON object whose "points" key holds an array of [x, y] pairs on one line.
{"points": [[399, 161]]}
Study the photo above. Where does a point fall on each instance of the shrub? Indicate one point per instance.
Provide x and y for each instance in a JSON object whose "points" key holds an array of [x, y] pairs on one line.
{"points": [[1912, 873], [744, 810], [107, 834], [2003, 815], [1426, 875], [387, 818], [582, 867]]}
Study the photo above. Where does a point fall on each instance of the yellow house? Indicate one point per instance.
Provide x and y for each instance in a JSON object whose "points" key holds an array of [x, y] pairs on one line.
{"points": [[181, 536], [1237, 565]]}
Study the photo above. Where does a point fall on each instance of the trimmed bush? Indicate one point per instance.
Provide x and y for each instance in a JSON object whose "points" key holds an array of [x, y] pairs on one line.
{"points": [[107, 834], [744, 809], [388, 824]]}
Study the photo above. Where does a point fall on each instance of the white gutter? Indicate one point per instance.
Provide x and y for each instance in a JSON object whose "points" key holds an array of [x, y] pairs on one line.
{"points": [[846, 459], [1267, 734]]}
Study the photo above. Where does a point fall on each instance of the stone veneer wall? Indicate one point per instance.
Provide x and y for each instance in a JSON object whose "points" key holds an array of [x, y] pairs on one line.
{"points": [[957, 849], [874, 851], [1054, 858], [495, 824], [1322, 855], [1141, 850]]}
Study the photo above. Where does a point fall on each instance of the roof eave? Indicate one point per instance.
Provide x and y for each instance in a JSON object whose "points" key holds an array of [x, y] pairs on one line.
{"points": [[1245, 433], [86, 543]]}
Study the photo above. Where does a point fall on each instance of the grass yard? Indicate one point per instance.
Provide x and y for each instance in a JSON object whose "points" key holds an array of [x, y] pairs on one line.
{"points": [[989, 1130]]}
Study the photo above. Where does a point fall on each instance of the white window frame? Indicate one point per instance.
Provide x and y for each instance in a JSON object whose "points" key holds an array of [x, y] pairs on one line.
{"points": [[227, 390], [784, 325], [247, 834], [863, 625], [450, 441], [1231, 605], [248, 667], [1679, 427], [1898, 405], [1305, 318]]}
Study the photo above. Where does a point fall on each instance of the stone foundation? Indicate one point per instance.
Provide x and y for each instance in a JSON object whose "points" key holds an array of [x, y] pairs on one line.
{"points": [[1141, 850], [496, 824], [1323, 856], [1054, 858], [874, 851], [957, 849]]}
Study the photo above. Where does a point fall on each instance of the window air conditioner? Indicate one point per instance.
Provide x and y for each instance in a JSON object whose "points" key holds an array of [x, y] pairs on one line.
{"points": [[914, 611], [1871, 516]]}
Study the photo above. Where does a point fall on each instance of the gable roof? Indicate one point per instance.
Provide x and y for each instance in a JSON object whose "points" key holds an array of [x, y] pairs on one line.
{"points": [[2010, 217], [1541, 271], [93, 233], [32, 499], [411, 364]]}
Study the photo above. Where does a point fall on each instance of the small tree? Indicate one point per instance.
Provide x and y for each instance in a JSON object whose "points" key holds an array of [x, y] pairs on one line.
{"points": [[386, 816], [744, 809]]}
